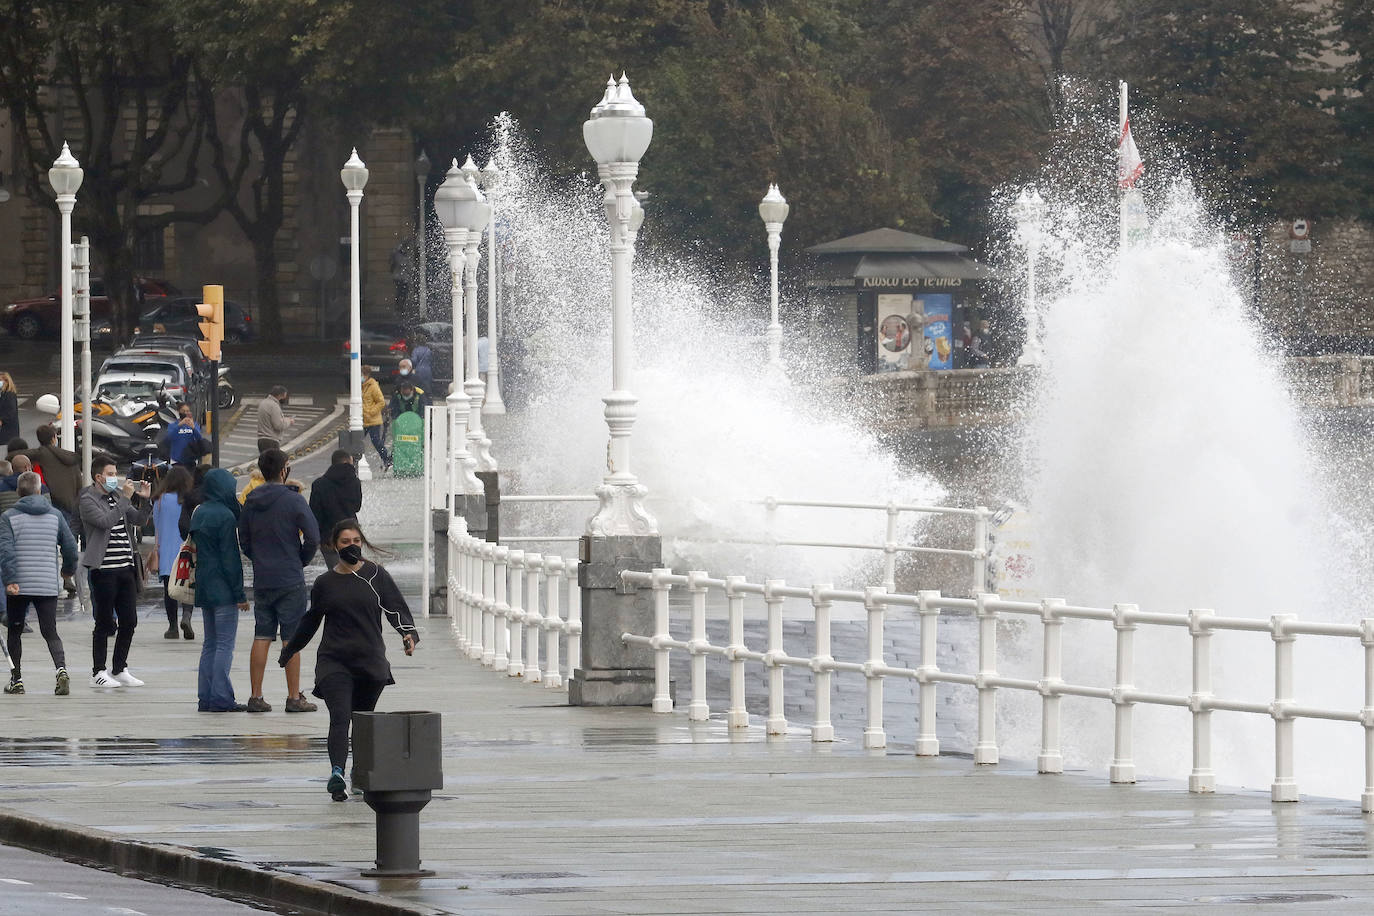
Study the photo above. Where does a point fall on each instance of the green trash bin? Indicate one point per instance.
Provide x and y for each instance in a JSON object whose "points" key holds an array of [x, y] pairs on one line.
{"points": [[408, 445]]}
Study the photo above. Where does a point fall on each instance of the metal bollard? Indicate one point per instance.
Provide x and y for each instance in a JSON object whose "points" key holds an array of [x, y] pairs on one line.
{"points": [[397, 762]]}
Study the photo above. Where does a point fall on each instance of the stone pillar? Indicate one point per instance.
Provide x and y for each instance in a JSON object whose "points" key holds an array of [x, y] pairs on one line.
{"points": [[491, 492], [612, 673]]}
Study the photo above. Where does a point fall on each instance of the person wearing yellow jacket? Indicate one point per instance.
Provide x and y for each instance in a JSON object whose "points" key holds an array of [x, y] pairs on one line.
{"points": [[373, 404]]}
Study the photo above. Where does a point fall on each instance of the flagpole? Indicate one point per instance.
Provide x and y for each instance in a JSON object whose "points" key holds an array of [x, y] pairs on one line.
{"points": [[1121, 133]]}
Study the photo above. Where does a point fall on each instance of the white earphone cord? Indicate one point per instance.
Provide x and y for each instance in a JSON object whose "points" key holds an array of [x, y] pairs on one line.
{"points": [[403, 627]]}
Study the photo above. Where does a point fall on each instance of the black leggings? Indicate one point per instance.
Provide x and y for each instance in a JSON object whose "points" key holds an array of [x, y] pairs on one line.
{"points": [[344, 695], [45, 606], [114, 597], [170, 604]]}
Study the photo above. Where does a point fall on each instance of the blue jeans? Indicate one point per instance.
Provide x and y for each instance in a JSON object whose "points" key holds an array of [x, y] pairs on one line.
{"points": [[214, 689], [378, 442]]}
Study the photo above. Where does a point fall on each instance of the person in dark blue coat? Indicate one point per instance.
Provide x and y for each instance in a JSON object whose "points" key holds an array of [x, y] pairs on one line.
{"points": [[185, 441], [219, 589]]}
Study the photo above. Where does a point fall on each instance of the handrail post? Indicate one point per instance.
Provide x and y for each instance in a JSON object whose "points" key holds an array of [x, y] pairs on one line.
{"points": [[574, 624], [1122, 769], [516, 666], [927, 743], [822, 730], [890, 549], [534, 566], [985, 751], [982, 546], [874, 736], [698, 710], [485, 653], [777, 714], [501, 632], [461, 573], [1285, 787], [553, 675], [1051, 758], [1367, 714], [1202, 779], [451, 596], [738, 715], [663, 695]]}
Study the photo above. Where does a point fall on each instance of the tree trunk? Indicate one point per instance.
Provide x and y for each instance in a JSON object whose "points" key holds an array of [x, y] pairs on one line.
{"points": [[264, 240]]}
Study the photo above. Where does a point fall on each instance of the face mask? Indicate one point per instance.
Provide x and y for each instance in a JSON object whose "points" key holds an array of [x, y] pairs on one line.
{"points": [[112, 484], [351, 554], [405, 372]]}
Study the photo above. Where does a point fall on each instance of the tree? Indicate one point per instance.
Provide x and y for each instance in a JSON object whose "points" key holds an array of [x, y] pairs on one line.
{"points": [[1355, 102], [1237, 87], [106, 76]]}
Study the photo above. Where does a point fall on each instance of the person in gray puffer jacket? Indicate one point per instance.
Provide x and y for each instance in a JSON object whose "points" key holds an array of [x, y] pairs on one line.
{"points": [[31, 536]]}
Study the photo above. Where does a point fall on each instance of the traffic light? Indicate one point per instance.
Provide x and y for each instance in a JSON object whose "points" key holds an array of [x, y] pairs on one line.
{"points": [[211, 312]]}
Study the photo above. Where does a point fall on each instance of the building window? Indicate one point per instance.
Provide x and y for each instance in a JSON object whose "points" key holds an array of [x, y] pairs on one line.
{"points": [[149, 251]]}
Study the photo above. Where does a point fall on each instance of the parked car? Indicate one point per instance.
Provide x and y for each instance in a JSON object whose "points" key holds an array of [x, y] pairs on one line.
{"points": [[183, 382], [33, 318], [177, 315], [383, 344]]}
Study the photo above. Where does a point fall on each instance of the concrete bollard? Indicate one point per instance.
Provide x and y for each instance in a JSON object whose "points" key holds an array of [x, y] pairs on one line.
{"points": [[397, 762]]}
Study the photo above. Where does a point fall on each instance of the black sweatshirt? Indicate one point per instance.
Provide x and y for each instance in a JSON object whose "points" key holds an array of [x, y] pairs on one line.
{"points": [[351, 605]]}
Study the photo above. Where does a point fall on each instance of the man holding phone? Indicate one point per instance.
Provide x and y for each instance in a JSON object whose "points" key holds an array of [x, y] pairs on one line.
{"points": [[112, 512]]}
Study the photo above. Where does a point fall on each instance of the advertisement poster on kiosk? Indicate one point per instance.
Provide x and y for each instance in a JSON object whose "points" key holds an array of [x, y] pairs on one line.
{"points": [[897, 328], [938, 329]]}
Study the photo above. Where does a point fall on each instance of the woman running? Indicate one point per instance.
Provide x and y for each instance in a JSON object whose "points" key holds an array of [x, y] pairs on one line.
{"points": [[169, 498], [350, 667]]}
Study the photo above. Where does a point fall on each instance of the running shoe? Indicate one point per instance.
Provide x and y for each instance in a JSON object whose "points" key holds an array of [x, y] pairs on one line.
{"points": [[64, 683], [338, 789], [126, 679], [16, 685], [104, 679]]}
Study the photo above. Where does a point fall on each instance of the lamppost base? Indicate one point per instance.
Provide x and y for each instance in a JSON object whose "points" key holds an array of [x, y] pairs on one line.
{"points": [[622, 512]]}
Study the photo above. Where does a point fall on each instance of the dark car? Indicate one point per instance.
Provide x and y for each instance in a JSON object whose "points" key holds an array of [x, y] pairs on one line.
{"points": [[32, 318], [177, 315], [383, 345]]}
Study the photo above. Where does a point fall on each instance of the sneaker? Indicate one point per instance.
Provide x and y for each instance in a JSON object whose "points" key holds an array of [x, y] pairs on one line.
{"points": [[186, 630], [171, 632], [127, 679], [299, 703], [258, 704], [16, 685], [338, 789], [237, 707], [64, 683], [103, 679]]}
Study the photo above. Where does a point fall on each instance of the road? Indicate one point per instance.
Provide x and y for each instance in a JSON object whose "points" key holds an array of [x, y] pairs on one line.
{"points": [[38, 885]]}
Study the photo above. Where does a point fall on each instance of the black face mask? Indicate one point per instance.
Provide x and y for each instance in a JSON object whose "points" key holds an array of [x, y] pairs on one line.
{"points": [[351, 554]]}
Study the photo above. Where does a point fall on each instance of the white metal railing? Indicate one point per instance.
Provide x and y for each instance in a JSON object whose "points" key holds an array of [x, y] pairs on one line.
{"points": [[436, 489], [1283, 630], [501, 600]]}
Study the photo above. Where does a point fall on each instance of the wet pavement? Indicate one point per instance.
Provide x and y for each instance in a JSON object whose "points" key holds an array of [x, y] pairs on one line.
{"points": [[549, 809]]}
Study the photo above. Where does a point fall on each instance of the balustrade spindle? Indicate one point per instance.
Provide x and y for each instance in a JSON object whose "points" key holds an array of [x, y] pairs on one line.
{"points": [[1202, 779], [874, 736], [777, 715], [534, 564], [488, 605], [516, 666], [738, 715], [927, 743], [574, 619], [1285, 787], [1051, 759], [698, 710], [1367, 714], [663, 697], [553, 677], [985, 752], [1122, 769], [501, 638], [822, 729]]}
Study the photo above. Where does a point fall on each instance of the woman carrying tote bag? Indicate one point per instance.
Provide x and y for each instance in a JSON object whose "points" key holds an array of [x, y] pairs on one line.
{"points": [[219, 589]]}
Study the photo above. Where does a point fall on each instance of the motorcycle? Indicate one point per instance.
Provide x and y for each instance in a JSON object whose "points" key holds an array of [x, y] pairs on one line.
{"points": [[224, 390], [125, 428]]}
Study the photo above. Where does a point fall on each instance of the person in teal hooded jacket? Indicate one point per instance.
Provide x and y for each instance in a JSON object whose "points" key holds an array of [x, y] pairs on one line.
{"points": [[219, 589]]}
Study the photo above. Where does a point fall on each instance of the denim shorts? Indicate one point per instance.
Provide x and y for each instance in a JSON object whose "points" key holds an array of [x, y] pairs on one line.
{"points": [[278, 609]]}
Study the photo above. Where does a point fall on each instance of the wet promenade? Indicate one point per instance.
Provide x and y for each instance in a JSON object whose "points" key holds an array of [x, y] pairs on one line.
{"points": [[548, 809]]}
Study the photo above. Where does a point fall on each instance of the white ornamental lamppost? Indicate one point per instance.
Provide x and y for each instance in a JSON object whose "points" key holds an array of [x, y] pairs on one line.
{"points": [[65, 177], [774, 209], [459, 207], [493, 405], [354, 177], [1029, 213], [478, 443], [617, 135]]}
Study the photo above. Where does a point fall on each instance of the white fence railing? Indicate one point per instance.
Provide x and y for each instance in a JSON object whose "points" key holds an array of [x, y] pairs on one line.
{"points": [[1282, 707], [502, 600]]}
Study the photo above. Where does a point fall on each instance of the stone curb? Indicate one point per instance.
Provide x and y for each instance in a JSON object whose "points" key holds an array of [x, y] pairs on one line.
{"points": [[191, 869]]}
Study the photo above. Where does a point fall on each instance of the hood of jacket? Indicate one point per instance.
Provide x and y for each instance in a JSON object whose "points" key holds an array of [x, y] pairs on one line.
{"points": [[265, 496], [34, 504], [338, 473], [218, 495]]}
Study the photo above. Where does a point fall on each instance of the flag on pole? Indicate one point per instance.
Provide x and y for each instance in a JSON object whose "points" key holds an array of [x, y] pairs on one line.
{"points": [[1129, 166]]}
